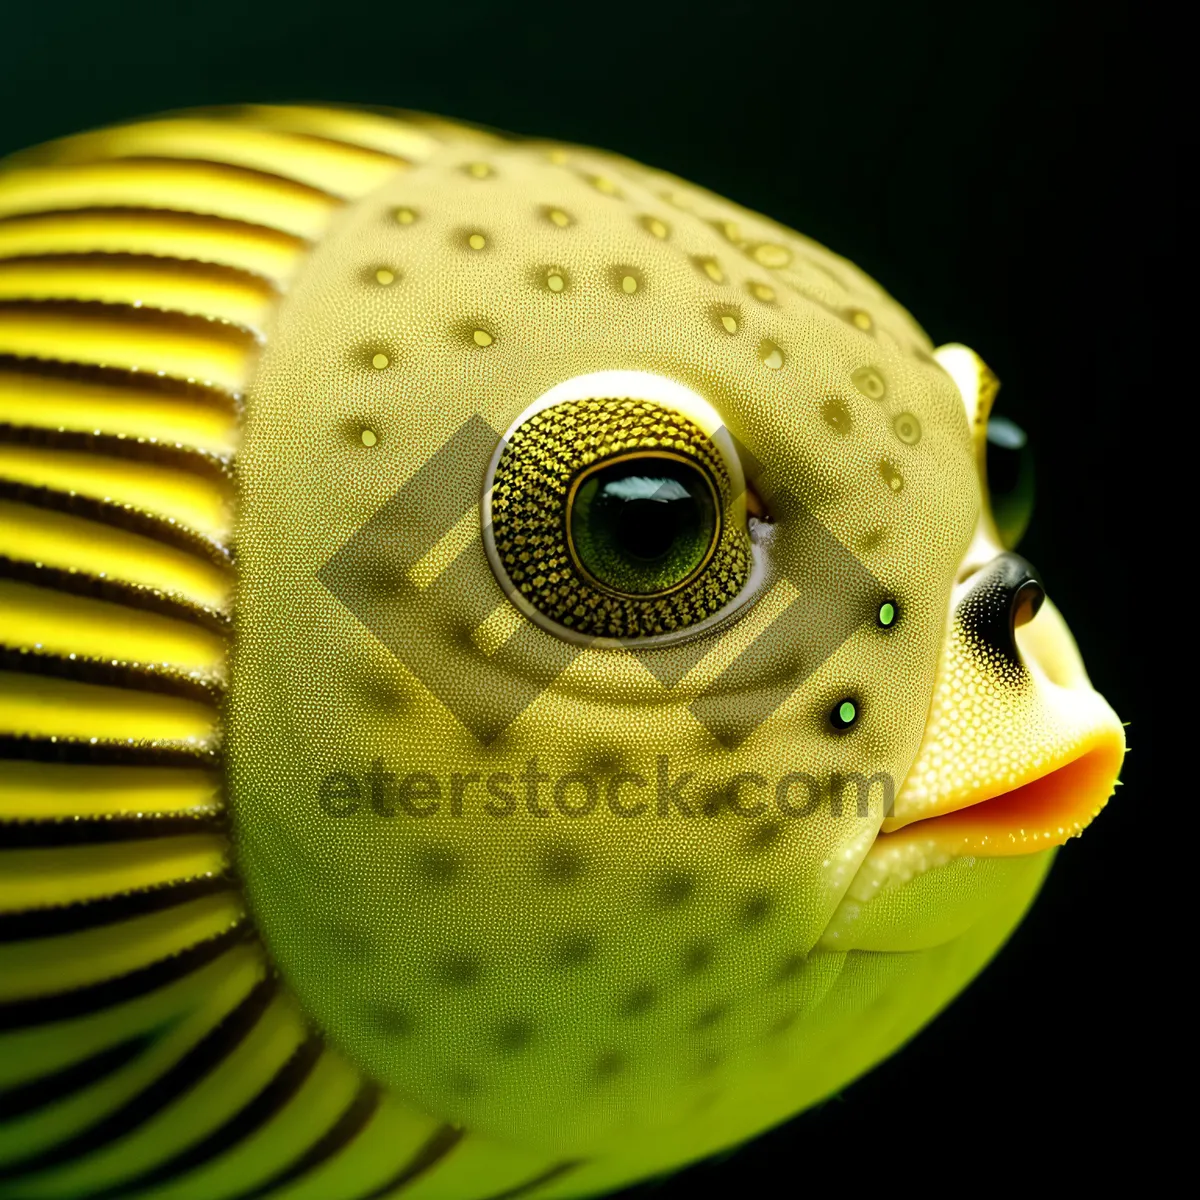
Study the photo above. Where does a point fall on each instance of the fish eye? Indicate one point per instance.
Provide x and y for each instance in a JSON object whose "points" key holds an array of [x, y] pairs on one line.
{"points": [[644, 524], [617, 518], [1010, 479]]}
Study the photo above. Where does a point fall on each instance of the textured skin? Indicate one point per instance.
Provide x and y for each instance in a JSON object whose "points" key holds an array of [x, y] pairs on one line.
{"points": [[463, 1004]]}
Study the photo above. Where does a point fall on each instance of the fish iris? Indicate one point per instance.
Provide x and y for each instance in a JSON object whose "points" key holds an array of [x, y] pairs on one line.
{"points": [[643, 525]]}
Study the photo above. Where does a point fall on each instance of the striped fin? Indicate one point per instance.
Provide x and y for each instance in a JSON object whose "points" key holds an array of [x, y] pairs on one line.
{"points": [[147, 1048]]}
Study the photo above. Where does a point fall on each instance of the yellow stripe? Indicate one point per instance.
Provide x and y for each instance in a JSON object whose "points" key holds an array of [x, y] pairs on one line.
{"points": [[155, 283], [72, 544], [213, 354], [36, 706], [32, 790], [39, 1049], [43, 1128], [323, 1098], [343, 170], [69, 874], [57, 623], [57, 964], [183, 186], [216, 1097], [48, 402], [186, 499], [387, 134], [254, 248]]}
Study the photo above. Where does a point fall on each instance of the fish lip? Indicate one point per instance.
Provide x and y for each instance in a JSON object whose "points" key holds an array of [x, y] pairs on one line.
{"points": [[1045, 810]]}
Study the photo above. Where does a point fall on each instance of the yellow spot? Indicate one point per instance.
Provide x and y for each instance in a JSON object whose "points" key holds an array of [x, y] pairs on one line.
{"points": [[556, 216], [712, 269], [769, 254], [555, 282], [770, 354], [729, 231], [891, 476], [479, 170], [604, 185], [482, 337], [654, 226], [629, 285], [557, 157], [860, 319], [908, 428], [405, 216], [385, 277], [477, 241], [730, 323], [380, 361], [760, 291], [368, 437], [869, 382]]}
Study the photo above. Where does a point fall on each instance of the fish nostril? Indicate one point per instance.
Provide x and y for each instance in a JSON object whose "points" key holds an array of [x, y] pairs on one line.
{"points": [[1005, 594], [1026, 602]]}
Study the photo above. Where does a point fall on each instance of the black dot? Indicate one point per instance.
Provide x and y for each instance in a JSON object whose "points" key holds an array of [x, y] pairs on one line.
{"points": [[572, 949], [560, 865], [754, 910], [709, 1016], [782, 1024], [438, 864], [792, 966], [641, 999], [610, 1063], [392, 1021], [763, 837], [463, 1084], [673, 889], [514, 1035], [460, 970], [697, 957]]}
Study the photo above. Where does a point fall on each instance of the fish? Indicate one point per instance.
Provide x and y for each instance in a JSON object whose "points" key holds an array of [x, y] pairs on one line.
{"points": [[517, 675]]}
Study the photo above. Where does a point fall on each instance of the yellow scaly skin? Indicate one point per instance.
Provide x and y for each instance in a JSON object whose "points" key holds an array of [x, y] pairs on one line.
{"points": [[337, 1003]]}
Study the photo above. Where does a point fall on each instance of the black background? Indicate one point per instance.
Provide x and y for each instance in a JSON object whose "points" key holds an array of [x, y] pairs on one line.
{"points": [[995, 168]]}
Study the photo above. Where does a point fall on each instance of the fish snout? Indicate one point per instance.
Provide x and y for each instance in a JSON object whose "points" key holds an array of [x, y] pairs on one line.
{"points": [[1002, 596]]}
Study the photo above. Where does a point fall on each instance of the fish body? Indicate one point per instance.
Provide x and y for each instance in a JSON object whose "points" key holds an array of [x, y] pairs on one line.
{"points": [[512, 681]]}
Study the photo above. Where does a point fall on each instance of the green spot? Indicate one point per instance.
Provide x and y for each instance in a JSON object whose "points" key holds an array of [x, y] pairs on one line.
{"points": [[887, 614], [847, 712]]}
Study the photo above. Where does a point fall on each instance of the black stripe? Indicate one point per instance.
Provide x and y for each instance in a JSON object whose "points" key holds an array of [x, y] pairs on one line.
{"points": [[531, 1185], [91, 914], [219, 329], [44, 1010], [426, 1158], [114, 514], [129, 447], [246, 1121], [333, 1141], [82, 751], [132, 595], [208, 395], [103, 831], [26, 1098], [205, 688], [205, 1056]]}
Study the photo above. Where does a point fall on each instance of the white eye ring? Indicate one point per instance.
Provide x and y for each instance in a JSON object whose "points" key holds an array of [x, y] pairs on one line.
{"points": [[643, 386]]}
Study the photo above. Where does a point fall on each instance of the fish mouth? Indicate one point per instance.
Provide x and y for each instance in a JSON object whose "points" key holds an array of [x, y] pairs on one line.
{"points": [[1008, 765], [1047, 810]]}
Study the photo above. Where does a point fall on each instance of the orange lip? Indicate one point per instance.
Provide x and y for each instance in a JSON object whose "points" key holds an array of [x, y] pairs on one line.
{"points": [[1046, 811]]}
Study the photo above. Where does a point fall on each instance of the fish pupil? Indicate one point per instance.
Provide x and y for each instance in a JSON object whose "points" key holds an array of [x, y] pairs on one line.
{"points": [[645, 525]]}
